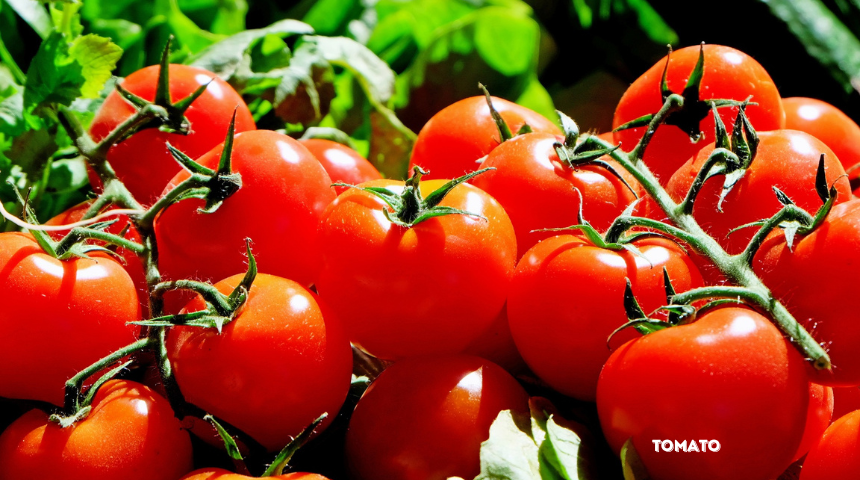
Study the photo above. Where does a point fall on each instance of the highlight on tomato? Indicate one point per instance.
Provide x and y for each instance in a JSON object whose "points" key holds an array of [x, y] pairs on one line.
{"points": [[826, 123]]}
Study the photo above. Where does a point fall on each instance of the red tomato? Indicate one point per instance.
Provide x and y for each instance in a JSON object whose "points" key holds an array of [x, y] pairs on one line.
{"points": [[425, 418], [729, 74], [729, 377], [451, 143], [845, 401], [130, 260], [342, 163], [817, 417], [826, 123], [432, 288], [537, 190], [574, 289], [496, 344], [284, 193], [130, 433], [811, 283], [837, 455], [282, 362], [142, 161], [786, 159], [221, 474], [58, 317]]}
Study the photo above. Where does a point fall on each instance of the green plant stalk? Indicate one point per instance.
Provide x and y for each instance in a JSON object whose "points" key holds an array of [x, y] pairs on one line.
{"points": [[735, 267]]}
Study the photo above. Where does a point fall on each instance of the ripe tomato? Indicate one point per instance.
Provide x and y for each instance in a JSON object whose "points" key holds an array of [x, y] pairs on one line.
{"points": [[451, 142], [730, 376], [837, 455], [431, 288], [496, 344], [282, 362], [845, 401], [130, 433], [284, 193], [142, 161], [425, 418], [810, 280], [817, 417], [221, 474], [342, 163], [537, 190], [729, 74], [574, 289], [786, 159], [131, 262], [58, 317], [826, 123]]}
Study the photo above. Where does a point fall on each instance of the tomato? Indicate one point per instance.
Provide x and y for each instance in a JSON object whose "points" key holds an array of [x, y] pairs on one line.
{"points": [[431, 288], [845, 401], [729, 74], [812, 282], [425, 418], [837, 455], [132, 263], [826, 123], [567, 286], [58, 317], [221, 474], [142, 161], [729, 377], [496, 344], [282, 362], [786, 159], [130, 433], [818, 417], [453, 140], [284, 193], [342, 163], [538, 191]]}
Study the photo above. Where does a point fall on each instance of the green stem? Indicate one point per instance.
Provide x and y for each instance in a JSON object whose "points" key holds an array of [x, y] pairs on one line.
{"points": [[787, 213], [79, 233], [128, 125], [6, 58], [194, 181], [673, 103], [725, 291], [718, 155], [209, 293]]}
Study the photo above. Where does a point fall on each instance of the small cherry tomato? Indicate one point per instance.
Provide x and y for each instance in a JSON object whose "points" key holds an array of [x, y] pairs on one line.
{"points": [[826, 123], [837, 455], [58, 316], [728, 74], [142, 161], [342, 163], [730, 380], [283, 361], [574, 289], [452, 142], [131, 433], [221, 474], [425, 418]]}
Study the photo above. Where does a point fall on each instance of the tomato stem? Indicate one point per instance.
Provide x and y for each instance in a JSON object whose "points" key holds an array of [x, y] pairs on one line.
{"points": [[283, 458]]}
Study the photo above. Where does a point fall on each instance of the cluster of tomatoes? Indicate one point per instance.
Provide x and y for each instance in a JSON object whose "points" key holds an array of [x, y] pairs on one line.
{"points": [[457, 283]]}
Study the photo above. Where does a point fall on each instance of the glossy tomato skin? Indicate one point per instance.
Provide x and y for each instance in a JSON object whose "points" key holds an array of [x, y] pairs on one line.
{"points": [[811, 283], [787, 159], [817, 418], [131, 433], [729, 74], [142, 161], [567, 286], [826, 123], [537, 191], [837, 455], [425, 418], [342, 163], [221, 474], [130, 261], [496, 344], [282, 362], [730, 376], [845, 401], [284, 193], [452, 141], [58, 317], [431, 288]]}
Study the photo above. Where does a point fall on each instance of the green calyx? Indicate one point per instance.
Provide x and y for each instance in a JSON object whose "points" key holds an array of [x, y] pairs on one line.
{"points": [[694, 109], [409, 207], [174, 121]]}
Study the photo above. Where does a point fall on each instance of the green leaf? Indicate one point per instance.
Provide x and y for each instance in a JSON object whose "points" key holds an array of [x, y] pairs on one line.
{"points": [[34, 13], [565, 450], [331, 17], [122, 32], [68, 175], [229, 17], [375, 77], [652, 23], [97, 57], [538, 99], [510, 453], [305, 88], [824, 36], [53, 76], [186, 31], [631, 464], [12, 112]]}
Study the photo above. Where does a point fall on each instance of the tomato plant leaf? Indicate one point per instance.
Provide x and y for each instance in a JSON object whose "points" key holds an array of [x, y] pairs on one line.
{"points": [[511, 452], [54, 76], [98, 57], [34, 13], [631, 463], [565, 449]]}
